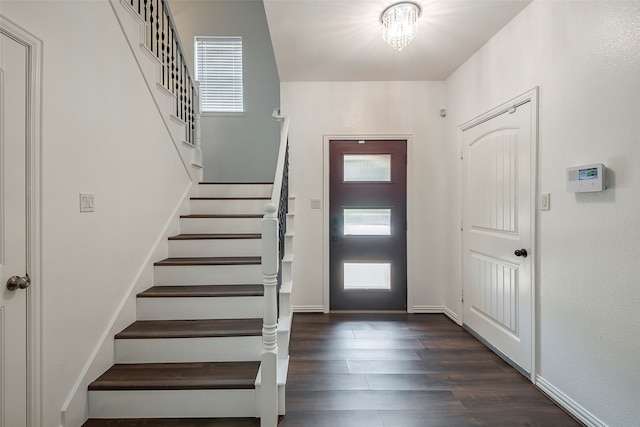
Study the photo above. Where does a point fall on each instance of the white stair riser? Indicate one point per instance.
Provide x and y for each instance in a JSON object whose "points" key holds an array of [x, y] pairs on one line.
{"points": [[287, 268], [220, 225], [240, 206], [172, 403], [208, 275], [186, 308], [285, 304], [214, 248], [235, 190], [184, 350]]}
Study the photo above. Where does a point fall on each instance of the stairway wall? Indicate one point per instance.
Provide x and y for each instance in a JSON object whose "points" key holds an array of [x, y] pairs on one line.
{"points": [[237, 147], [101, 133]]}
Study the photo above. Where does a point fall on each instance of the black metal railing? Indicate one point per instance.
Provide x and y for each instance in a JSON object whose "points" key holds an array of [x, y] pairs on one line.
{"points": [[163, 42], [283, 209]]}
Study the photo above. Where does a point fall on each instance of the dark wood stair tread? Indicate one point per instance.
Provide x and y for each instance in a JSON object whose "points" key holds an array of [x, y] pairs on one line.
{"points": [[197, 328], [238, 236], [178, 376], [230, 198], [173, 422], [236, 183], [203, 291], [240, 216], [238, 260]]}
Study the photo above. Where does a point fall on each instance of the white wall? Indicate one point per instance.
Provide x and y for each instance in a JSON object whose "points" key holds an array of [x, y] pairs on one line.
{"points": [[101, 133], [585, 57], [317, 109], [238, 147]]}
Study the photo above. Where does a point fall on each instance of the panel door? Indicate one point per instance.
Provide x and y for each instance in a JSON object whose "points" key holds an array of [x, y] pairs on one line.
{"points": [[368, 256], [497, 186], [13, 229]]}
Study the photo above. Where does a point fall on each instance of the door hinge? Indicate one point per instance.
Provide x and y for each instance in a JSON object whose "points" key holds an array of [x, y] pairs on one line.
{"points": [[462, 295], [461, 154], [461, 225]]}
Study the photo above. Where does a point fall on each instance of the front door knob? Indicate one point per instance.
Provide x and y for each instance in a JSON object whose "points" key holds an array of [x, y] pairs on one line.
{"points": [[17, 282], [521, 252]]}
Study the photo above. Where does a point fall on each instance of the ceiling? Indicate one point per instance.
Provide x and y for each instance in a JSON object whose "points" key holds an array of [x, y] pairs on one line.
{"points": [[341, 40]]}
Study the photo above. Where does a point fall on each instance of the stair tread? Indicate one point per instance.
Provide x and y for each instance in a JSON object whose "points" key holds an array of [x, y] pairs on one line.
{"points": [[231, 198], [202, 236], [235, 183], [203, 291], [193, 328], [178, 376], [173, 422], [222, 216], [194, 261]]}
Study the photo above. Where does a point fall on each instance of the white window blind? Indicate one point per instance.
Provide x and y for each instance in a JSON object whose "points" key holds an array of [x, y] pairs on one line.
{"points": [[219, 71]]}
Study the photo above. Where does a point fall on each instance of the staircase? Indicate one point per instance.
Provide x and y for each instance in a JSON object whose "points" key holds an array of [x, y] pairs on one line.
{"points": [[194, 351]]}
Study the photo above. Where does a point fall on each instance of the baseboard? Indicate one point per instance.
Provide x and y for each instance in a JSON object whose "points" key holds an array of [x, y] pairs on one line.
{"points": [[307, 308], [75, 409], [568, 404], [437, 309]]}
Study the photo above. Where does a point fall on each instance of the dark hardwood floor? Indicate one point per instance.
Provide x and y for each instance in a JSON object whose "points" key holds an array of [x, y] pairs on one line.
{"points": [[404, 370], [393, 370]]}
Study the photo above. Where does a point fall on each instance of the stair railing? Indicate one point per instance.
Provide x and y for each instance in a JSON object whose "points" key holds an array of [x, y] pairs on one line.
{"points": [[273, 232], [163, 42]]}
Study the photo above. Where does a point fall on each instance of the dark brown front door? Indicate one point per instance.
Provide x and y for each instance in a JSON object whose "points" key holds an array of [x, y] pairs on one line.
{"points": [[368, 239]]}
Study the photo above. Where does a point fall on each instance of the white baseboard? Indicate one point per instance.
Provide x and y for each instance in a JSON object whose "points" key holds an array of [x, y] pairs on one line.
{"points": [[307, 308], [436, 309], [568, 404]]}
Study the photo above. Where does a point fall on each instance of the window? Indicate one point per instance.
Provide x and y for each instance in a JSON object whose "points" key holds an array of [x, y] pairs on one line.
{"points": [[219, 71]]}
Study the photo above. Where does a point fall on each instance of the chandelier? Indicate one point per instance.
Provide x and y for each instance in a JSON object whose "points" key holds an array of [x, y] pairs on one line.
{"points": [[399, 24]]}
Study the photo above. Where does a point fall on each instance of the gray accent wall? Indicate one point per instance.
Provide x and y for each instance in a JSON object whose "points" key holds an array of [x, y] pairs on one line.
{"points": [[237, 147]]}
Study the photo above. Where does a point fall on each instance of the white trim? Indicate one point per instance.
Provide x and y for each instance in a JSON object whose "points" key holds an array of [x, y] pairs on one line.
{"points": [[436, 309], [2, 369], [307, 308], [325, 213], [532, 97], [568, 404], [34, 266]]}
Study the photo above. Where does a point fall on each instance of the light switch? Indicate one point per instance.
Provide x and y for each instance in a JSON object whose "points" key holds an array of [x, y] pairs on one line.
{"points": [[87, 202], [545, 201], [315, 204]]}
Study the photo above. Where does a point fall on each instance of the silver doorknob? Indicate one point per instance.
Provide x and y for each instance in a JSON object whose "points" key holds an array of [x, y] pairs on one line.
{"points": [[17, 282]]}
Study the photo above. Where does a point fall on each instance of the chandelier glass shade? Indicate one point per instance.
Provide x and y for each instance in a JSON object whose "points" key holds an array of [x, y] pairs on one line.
{"points": [[399, 24]]}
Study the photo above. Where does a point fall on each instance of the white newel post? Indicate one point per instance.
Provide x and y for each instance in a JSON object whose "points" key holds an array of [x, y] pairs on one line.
{"points": [[269, 367], [197, 137]]}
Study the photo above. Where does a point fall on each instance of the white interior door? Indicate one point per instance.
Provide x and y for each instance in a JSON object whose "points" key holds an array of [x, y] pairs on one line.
{"points": [[13, 231], [497, 226]]}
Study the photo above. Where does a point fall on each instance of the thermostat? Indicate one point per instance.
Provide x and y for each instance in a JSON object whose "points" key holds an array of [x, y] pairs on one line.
{"points": [[581, 179]]}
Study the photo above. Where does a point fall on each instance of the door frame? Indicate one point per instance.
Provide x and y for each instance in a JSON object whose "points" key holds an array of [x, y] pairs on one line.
{"points": [[325, 210], [532, 97], [34, 246]]}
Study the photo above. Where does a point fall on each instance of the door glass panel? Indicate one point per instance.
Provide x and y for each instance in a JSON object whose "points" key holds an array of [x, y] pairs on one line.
{"points": [[367, 222], [367, 167], [367, 276]]}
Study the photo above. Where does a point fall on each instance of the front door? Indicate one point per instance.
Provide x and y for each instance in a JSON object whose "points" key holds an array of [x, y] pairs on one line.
{"points": [[13, 230], [368, 247], [497, 236]]}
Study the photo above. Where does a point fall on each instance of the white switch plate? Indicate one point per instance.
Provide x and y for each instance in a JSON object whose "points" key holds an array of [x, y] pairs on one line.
{"points": [[545, 201], [87, 202], [315, 204]]}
